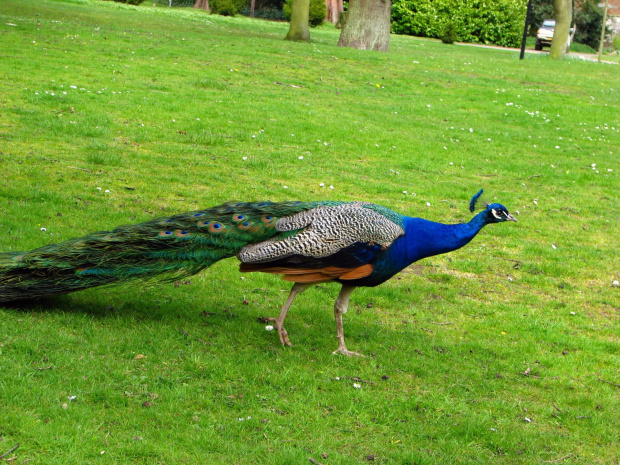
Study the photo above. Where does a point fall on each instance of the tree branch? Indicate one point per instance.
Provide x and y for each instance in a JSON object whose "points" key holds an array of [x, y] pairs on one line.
{"points": [[12, 449], [609, 382]]}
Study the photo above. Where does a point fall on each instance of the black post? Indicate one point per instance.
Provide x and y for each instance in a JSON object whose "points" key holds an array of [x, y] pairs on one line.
{"points": [[527, 23]]}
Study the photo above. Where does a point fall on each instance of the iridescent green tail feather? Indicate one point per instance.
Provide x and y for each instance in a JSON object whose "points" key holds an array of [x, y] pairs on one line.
{"points": [[167, 248]]}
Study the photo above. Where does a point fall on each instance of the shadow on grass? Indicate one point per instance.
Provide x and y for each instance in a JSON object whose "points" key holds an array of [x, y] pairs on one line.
{"points": [[122, 303]]}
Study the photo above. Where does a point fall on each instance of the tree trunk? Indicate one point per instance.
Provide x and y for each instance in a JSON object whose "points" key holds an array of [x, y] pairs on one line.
{"points": [[563, 17], [600, 46], [334, 8], [368, 25], [202, 4], [252, 5], [299, 29]]}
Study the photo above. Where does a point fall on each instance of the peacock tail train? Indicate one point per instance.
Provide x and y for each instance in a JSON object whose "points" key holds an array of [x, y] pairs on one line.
{"points": [[167, 248]]}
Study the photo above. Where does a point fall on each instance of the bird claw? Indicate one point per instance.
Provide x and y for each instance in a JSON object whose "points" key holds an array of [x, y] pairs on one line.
{"points": [[284, 340], [345, 351]]}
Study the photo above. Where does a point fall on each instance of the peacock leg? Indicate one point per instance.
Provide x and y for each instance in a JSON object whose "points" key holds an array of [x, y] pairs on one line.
{"points": [[298, 288], [342, 303]]}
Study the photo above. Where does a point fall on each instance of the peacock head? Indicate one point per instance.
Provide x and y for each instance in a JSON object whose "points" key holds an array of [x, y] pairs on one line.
{"points": [[497, 213], [493, 212]]}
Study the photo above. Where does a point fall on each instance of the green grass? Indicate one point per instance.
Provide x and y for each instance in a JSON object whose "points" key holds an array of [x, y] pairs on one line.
{"points": [[174, 110]]}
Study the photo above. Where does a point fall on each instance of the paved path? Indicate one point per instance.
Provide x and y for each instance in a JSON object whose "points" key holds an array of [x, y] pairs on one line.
{"points": [[583, 56]]}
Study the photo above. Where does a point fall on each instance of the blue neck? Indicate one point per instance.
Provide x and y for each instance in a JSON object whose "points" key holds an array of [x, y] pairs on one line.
{"points": [[425, 238]]}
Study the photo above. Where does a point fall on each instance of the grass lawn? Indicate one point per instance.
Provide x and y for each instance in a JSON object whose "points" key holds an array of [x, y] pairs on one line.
{"points": [[504, 352], [579, 50]]}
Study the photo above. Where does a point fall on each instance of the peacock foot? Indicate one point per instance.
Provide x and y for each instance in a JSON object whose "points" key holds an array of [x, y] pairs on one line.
{"points": [[281, 331], [345, 351]]}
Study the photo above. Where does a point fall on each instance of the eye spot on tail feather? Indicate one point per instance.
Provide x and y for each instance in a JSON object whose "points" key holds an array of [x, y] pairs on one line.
{"points": [[216, 228], [268, 220]]}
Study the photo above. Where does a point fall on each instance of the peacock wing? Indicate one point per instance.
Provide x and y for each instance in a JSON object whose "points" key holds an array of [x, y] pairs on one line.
{"points": [[325, 231]]}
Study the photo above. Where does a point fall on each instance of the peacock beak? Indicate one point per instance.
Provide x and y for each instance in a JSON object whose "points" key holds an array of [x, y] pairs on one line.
{"points": [[509, 217]]}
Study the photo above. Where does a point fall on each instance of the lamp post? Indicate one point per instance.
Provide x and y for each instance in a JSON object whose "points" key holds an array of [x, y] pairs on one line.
{"points": [[527, 23]]}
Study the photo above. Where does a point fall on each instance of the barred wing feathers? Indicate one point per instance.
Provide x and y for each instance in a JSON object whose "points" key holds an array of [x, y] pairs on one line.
{"points": [[330, 242]]}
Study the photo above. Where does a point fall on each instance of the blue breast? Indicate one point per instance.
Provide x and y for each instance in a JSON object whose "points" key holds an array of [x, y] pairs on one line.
{"points": [[422, 239]]}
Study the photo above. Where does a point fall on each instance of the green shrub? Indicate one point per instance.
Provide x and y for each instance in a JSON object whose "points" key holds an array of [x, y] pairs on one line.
{"points": [[226, 7], [130, 2], [448, 35], [287, 9], [317, 13], [271, 13], [479, 21]]}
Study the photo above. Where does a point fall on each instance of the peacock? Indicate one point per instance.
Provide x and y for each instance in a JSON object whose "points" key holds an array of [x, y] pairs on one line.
{"points": [[352, 243]]}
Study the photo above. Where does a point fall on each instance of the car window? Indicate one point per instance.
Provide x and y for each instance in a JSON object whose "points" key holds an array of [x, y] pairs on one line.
{"points": [[549, 23]]}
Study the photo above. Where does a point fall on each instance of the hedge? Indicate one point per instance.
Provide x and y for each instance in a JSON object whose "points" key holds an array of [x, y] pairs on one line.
{"points": [[498, 22]]}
